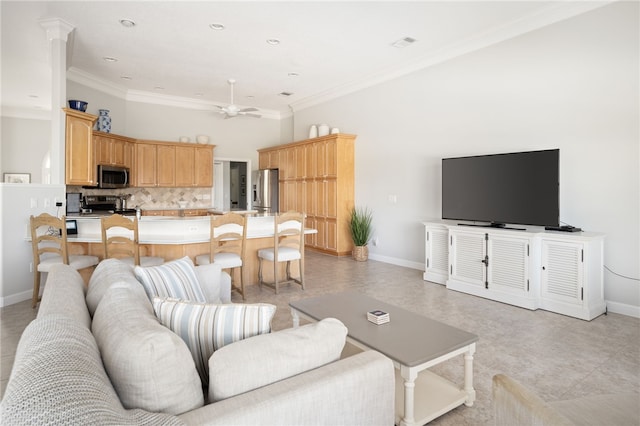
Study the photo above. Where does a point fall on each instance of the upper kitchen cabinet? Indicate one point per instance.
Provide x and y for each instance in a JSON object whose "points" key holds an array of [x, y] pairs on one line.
{"points": [[317, 177], [113, 150], [194, 165], [165, 164], [79, 150]]}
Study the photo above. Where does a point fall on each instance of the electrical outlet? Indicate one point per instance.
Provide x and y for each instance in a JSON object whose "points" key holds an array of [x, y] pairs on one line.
{"points": [[375, 241], [393, 199], [30, 266], [34, 203], [47, 203], [206, 197]]}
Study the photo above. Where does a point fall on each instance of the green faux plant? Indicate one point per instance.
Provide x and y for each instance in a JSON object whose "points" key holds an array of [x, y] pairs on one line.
{"points": [[360, 225]]}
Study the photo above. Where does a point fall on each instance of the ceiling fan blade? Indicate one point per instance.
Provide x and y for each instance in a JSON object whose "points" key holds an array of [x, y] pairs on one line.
{"points": [[250, 109], [249, 114]]}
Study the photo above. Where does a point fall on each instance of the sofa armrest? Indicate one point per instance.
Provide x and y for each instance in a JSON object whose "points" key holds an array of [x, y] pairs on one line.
{"points": [[514, 404], [359, 390]]}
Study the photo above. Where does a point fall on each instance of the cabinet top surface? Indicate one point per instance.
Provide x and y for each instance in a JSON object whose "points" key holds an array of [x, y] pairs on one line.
{"points": [[522, 230], [342, 136]]}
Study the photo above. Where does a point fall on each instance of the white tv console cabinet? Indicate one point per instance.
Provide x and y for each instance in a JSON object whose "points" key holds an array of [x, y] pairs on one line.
{"points": [[535, 269]]}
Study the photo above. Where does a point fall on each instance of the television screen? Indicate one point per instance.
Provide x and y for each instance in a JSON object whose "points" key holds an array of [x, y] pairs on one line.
{"points": [[519, 188]]}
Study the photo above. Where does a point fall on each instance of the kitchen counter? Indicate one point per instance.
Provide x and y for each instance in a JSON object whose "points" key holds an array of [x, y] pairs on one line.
{"points": [[173, 237]]}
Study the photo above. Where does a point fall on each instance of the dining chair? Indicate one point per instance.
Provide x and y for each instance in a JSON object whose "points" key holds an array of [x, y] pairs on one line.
{"points": [[49, 243], [227, 245], [120, 240], [288, 245]]}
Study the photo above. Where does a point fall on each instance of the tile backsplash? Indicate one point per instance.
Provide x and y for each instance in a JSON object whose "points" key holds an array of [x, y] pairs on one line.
{"points": [[156, 198]]}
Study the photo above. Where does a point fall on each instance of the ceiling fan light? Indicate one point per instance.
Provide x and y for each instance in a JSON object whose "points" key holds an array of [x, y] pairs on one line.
{"points": [[129, 23]]}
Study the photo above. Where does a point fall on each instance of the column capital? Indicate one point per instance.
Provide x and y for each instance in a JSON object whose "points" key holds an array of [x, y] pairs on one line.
{"points": [[57, 29]]}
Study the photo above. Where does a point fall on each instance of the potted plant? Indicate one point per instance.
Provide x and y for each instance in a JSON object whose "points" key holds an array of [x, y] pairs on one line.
{"points": [[360, 228]]}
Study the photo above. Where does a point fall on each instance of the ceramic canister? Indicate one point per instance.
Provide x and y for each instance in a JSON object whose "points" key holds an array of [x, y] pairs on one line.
{"points": [[323, 130], [313, 131]]}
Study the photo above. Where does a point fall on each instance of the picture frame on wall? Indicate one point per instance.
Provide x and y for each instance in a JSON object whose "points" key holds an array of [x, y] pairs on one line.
{"points": [[16, 178]]}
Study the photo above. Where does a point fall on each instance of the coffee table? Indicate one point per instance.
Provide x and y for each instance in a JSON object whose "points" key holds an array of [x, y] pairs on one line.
{"points": [[413, 342]]}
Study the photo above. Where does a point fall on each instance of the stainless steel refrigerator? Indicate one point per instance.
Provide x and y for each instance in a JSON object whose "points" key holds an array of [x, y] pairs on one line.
{"points": [[265, 191]]}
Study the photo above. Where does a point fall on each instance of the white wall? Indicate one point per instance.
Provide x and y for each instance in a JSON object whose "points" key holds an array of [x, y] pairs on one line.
{"points": [[572, 85], [20, 136]]}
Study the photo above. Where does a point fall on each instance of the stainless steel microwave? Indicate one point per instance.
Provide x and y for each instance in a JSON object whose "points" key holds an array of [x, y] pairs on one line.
{"points": [[113, 177]]}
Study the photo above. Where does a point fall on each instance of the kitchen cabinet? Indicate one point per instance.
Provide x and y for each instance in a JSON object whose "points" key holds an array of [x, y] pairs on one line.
{"points": [[146, 160], [80, 167], [317, 178], [113, 150], [556, 271], [194, 166], [165, 164]]}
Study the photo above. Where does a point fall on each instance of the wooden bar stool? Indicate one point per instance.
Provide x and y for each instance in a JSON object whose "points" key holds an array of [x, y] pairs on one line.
{"points": [[49, 242], [288, 245], [228, 238], [120, 241]]}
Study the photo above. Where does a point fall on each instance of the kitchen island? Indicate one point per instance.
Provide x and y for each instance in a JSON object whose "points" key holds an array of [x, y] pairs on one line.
{"points": [[172, 237]]}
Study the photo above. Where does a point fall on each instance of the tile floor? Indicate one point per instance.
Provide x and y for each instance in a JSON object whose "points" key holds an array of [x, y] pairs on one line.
{"points": [[556, 356]]}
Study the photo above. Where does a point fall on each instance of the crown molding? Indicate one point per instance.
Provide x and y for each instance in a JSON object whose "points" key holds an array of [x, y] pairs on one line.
{"points": [[81, 77], [555, 12]]}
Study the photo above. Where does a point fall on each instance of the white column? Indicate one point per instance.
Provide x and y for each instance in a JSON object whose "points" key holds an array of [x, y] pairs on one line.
{"points": [[57, 33]]}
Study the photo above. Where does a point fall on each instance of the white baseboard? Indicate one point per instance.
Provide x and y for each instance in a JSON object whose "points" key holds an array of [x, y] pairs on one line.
{"points": [[396, 261], [15, 298], [624, 309]]}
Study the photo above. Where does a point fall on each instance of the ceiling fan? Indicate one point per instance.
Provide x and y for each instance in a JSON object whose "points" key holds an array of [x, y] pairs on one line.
{"points": [[232, 110]]}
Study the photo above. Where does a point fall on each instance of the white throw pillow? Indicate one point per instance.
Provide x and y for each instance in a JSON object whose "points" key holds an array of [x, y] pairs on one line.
{"points": [[177, 279], [206, 328], [262, 360]]}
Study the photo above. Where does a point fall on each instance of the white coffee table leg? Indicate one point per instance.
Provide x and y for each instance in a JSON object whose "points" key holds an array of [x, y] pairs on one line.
{"points": [[409, 375], [468, 376], [296, 318]]}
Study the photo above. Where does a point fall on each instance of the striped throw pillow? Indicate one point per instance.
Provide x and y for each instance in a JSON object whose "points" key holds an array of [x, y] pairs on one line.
{"points": [[206, 328], [177, 279]]}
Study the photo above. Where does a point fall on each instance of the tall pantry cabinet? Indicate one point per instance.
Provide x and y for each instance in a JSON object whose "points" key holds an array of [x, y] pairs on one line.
{"points": [[317, 178]]}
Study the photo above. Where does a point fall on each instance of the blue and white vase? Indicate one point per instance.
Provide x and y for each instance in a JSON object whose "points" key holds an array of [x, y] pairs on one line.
{"points": [[104, 121]]}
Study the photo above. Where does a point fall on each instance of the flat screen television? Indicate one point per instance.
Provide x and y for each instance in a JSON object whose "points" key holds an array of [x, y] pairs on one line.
{"points": [[517, 188]]}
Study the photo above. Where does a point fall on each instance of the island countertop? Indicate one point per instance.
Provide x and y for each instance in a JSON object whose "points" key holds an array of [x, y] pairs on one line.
{"points": [[172, 229]]}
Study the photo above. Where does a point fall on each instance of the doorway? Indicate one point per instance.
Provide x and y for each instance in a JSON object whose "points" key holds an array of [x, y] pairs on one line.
{"points": [[231, 183]]}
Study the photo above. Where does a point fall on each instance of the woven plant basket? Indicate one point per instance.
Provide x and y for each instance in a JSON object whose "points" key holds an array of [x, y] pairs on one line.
{"points": [[360, 253]]}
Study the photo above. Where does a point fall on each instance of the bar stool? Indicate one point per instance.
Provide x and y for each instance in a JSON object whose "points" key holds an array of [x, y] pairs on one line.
{"points": [[120, 241], [288, 245], [49, 242], [227, 245]]}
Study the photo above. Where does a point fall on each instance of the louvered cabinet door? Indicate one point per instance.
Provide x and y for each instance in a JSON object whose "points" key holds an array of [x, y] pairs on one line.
{"points": [[466, 254], [436, 254], [562, 271], [508, 269]]}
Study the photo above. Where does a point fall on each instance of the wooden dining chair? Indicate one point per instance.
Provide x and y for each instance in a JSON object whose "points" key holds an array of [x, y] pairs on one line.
{"points": [[227, 246], [288, 245], [120, 240], [49, 242]]}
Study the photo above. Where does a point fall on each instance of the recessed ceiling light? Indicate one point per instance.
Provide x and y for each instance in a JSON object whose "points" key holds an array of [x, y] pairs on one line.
{"points": [[250, 97], [198, 94], [285, 93], [403, 42], [158, 88], [216, 26], [293, 74], [127, 23], [273, 41], [110, 59], [34, 96], [125, 77]]}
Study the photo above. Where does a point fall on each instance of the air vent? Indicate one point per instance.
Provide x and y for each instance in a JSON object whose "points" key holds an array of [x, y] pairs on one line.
{"points": [[403, 42]]}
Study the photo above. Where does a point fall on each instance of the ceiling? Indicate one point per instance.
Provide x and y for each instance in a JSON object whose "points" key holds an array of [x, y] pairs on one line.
{"points": [[326, 49]]}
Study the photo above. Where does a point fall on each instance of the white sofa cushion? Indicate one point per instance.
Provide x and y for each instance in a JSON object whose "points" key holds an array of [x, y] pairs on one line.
{"points": [[58, 379], [206, 328], [176, 279], [108, 272], [263, 360], [150, 367]]}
